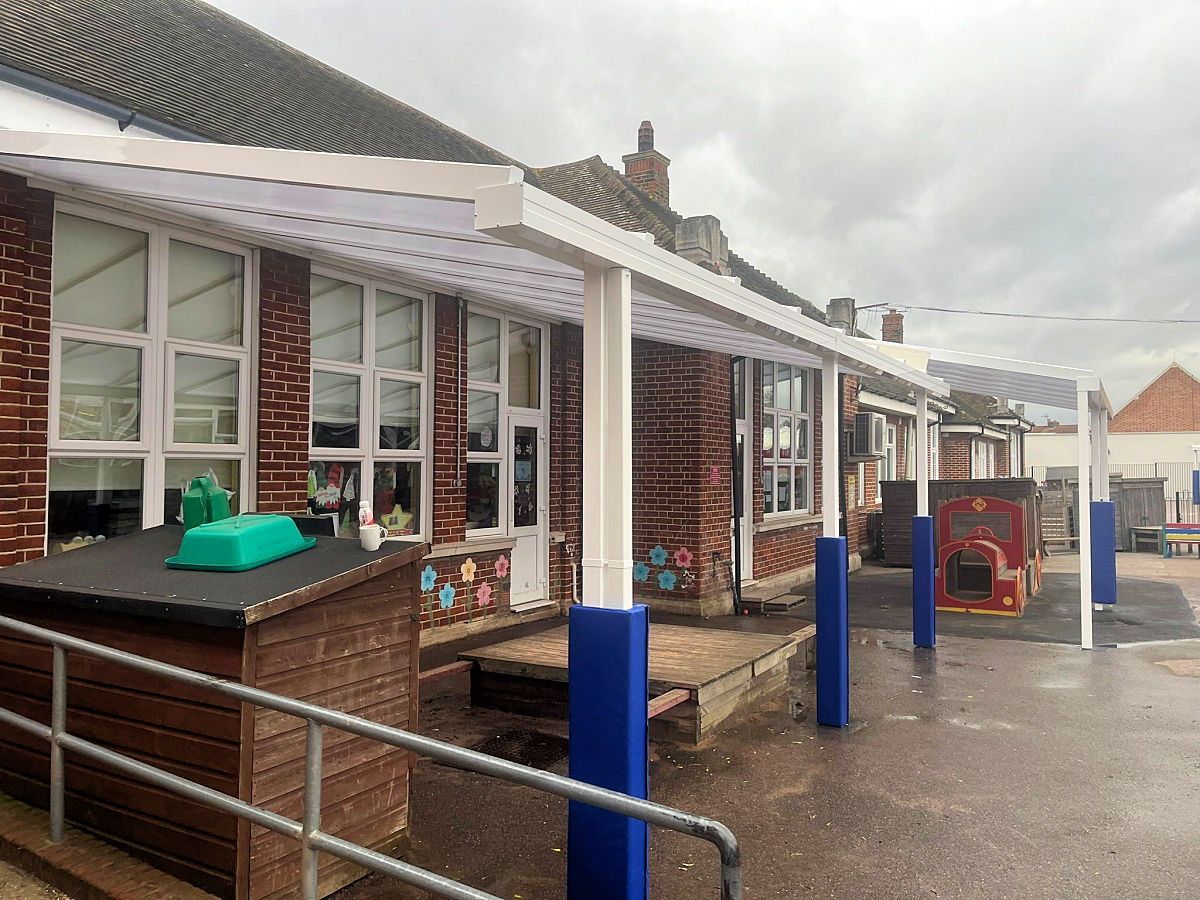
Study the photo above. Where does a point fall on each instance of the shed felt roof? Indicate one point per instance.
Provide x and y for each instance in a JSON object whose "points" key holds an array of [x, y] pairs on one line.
{"points": [[596, 187], [190, 65]]}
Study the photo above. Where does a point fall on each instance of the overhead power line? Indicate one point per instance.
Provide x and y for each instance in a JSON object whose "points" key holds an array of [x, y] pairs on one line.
{"points": [[1013, 315]]}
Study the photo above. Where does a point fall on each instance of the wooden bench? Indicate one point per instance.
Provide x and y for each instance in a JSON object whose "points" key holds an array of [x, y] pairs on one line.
{"points": [[1182, 534], [1145, 537]]}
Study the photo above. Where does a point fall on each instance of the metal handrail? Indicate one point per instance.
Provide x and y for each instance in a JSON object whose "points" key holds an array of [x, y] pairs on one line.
{"points": [[312, 840]]}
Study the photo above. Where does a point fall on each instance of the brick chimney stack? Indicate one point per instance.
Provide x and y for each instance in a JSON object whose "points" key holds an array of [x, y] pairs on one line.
{"points": [[893, 326], [647, 168]]}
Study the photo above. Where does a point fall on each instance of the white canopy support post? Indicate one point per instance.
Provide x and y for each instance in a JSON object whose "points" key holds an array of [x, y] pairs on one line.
{"points": [[830, 447], [607, 439], [922, 452], [1102, 450], [1099, 482], [1084, 516]]}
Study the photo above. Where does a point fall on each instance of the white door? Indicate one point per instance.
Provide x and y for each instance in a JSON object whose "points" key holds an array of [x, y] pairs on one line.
{"points": [[527, 509]]}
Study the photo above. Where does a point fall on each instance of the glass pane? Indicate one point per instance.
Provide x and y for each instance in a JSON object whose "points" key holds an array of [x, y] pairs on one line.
{"points": [[334, 410], [334, 489], [783, 495], [399, 415], [206, 400], [397, 332], [768, 436], [397, 499], [783, 386], [483, 348], [785, 437], [205, 288], [800, 389], [92, 498], [525, 475], [180, 473], [800, 496], [800, 438], [524, 366], [483, 495], [768, 384], [483, 420], [336, 311], [768, 486], [739, 390], [99, 274], [100, 392]]}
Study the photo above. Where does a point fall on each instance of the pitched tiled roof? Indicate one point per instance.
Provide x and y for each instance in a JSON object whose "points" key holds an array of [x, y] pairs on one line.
{"points": [[189, 65], [885, 387], [596, 187], [976, 409]]}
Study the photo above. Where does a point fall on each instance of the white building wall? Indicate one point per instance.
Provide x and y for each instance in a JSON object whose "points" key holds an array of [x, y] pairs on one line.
{"points": [[1123, 448]]}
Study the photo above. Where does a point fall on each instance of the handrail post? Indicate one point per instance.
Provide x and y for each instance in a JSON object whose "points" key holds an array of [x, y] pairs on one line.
{"points": [[309, 855], [58, 724]]}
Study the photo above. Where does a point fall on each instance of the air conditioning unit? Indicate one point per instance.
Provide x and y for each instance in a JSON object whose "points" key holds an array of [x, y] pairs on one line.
{"points": [[869, 431]]}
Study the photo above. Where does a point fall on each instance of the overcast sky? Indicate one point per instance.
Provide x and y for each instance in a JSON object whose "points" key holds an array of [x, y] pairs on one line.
{"points": [[1025, 157]]}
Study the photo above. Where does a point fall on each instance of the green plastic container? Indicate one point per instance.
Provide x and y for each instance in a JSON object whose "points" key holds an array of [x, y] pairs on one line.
{"points": [[238, 544], [204, 503]]}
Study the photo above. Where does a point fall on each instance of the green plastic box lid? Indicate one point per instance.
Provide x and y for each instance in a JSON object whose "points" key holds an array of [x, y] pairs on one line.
{"points": [[238, 544]]}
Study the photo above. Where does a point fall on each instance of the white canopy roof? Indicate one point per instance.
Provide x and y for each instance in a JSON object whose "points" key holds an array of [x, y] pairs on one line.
{"points": [[475, 230], [1014, 379]]}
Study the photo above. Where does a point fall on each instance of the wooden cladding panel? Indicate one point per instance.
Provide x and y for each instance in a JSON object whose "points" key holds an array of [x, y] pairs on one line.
{"points": [[352, 652], [184, 730]]}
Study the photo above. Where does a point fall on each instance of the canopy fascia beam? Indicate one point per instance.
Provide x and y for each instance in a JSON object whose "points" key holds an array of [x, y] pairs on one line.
{"points": [[526, 217]]}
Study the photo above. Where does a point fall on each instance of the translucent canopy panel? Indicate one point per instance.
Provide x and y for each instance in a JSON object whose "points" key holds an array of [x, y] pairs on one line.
{"points": [[417, 221]]}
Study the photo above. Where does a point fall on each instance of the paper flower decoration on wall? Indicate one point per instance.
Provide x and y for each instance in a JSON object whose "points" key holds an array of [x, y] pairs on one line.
{"points": [[446, 595], [641, 571], [468, 570], [658, 556], [683, 557], [428, 577], [484, 594], [666, 580], [502, 566]]}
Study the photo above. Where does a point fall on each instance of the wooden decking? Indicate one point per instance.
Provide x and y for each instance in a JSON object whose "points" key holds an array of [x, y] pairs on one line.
{"points": [[725, 671]]}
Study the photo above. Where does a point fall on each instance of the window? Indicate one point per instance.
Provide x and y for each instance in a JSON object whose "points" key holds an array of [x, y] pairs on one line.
{"points": [[369, 390], [786, 437], [886, 471], [150, 372], [504, 402]]}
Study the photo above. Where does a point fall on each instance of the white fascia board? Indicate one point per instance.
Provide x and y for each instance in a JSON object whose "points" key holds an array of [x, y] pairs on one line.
{"points": [[980, 430], [879, 403], [530, 218], [383, 175]]}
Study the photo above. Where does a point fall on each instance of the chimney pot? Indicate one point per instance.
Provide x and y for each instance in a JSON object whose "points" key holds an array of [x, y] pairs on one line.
{"points": [[645, 137], [647, 169]]}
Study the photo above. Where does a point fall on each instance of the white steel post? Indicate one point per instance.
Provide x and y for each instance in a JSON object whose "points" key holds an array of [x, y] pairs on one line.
{"points": [[830, 447], [1084, 513], [607, 558], [922, 452]]}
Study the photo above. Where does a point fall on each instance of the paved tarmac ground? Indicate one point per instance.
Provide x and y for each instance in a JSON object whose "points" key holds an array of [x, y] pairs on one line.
{"points": [[16, 884], [987, 768]]}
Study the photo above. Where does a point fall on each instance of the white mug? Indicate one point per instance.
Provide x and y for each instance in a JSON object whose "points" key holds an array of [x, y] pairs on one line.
{"points": [[371, 536]]}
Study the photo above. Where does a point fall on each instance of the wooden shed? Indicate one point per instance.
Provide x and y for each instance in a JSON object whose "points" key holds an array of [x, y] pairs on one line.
{"points": [[900, 505], [333, 625]]}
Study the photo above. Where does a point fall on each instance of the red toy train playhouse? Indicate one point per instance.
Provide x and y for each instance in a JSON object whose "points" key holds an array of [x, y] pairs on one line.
{"points": [[984, 562]]}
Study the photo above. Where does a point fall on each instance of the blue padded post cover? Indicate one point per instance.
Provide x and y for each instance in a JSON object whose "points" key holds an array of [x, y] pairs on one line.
{"points": [[833, 634], [1104, 551], [924, 601], [608, 651], [1196, 486]]}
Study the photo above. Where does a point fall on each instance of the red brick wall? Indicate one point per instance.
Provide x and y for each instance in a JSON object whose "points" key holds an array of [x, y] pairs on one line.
{"points": [[955, 457], [1003, 460], [566, 456], [284, 382], [465, 605], [26, 232], [680, 432], [1170, 403], [449, 424]]}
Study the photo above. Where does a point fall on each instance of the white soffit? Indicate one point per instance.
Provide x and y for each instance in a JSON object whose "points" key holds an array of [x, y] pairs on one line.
{"points": [[418, 220]]}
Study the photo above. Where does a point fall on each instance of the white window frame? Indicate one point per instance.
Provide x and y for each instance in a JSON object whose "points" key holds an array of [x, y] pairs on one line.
{"points": [[370, 376], [795, 462], [156, 400], [502, 455]]}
